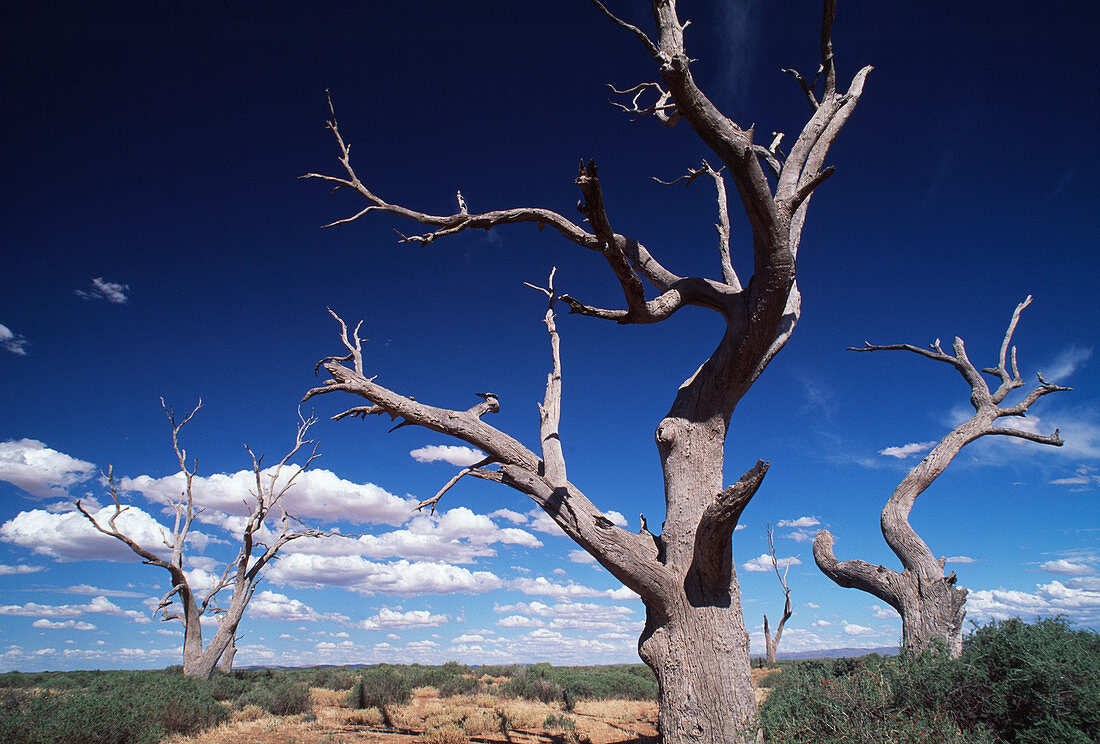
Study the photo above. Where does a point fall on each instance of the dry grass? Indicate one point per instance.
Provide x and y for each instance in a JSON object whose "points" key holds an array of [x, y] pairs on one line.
{"points": [[430, 719]]}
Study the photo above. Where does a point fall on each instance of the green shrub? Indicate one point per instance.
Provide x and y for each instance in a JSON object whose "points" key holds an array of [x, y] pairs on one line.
{"points": [[560, 722], [1032, 683], [380, 686], [531, 684], [849, 703], [278, 697], [333, 678], [228, 686], [458, 686], [1014, 683], [116, 708]]}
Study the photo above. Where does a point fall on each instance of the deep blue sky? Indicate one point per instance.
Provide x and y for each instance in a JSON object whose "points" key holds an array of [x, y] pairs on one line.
{"points": [[157, 146]]}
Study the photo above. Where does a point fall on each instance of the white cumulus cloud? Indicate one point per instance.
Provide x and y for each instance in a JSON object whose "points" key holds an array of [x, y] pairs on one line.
{"points": [[63, 625], [389, 619], [1066, 568], [274, 606], [317, 495], [800, 522], [69, 536], [763, 562], [1079, 603], [541, 586], [454, 454], [368, 577], [854, 630], [39, 470]]}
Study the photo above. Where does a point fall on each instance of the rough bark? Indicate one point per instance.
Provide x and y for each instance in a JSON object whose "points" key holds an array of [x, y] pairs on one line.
{"points": [[931, 606], [240, 575], [771, 642], [695, 637]]}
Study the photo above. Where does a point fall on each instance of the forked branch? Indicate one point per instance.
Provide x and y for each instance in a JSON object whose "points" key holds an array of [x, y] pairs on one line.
{"points": [[922, 568]]}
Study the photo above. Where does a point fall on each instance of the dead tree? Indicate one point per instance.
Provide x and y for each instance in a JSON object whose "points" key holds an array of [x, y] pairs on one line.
{"points": [[771, 643], [183, 602], [931, 606], [694, 637]]}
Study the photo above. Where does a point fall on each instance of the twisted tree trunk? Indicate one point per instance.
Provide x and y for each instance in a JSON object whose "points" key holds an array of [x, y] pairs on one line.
{"points": [[931, 606], [694, 638]]}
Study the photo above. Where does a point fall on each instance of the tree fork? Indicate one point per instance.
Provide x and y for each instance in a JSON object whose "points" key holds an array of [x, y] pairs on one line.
{"points": [[931, 606]]}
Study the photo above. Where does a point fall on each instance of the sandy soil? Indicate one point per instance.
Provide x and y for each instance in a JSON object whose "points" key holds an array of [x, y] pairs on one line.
{"points": [[429, 719]]}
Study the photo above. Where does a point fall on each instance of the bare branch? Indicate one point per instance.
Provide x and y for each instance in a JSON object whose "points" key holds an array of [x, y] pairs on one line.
{"points": [[877, 580], [723, 224], [553, 459], [807, 87], [649, 45], [447, 487], [665, 112], [718, 522]]}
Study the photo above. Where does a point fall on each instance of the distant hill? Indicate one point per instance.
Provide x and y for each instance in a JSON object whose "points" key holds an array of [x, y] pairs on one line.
{"points": [[839, 653]]}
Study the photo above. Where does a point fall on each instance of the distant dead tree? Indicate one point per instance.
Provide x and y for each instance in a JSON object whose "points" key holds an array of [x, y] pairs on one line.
{"points": [[931, 606], [241, 574], [694, 637], [771, 643]]}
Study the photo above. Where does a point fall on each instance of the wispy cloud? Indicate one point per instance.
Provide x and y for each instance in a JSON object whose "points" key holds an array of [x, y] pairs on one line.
{"points": [[458, 456], [961, 559], [11, 341], [1066, 363], [739, 36], [907, 450], [19, 569], [102, 289], [1063, 567]]}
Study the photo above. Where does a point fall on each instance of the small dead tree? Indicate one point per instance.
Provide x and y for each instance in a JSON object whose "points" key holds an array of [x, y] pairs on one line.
{"points": [[771, 643], [241, 574], [694, 637], [931, 606]]}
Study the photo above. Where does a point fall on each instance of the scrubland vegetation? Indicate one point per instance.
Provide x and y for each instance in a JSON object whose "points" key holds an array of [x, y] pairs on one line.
{"points": [[1015, 683]]}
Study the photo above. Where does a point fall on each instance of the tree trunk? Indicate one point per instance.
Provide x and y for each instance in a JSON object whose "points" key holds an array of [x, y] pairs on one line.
{"points": [[932, 609], [771, 644], [700, 655], [695, 639], [225, 664]]}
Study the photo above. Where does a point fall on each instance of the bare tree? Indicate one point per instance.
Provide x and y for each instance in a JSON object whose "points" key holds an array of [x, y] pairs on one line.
{"points": [[771, 643], [931, 606], [694, 636], [241, 574]]}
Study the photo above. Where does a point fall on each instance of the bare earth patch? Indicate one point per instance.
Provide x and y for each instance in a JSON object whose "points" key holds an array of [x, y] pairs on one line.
{"points": [[429, 719]]}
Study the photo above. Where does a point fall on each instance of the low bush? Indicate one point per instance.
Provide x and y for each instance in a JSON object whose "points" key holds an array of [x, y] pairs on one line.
{"points": [[1015, 683], [380, 686], [118, 708], [278, 697], [458, 686]]}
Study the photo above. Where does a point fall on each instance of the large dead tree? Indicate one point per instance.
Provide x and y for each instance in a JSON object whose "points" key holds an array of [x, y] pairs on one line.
{"points": [[188, 604], [931, 605], [771, 642], [694, 637]]}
